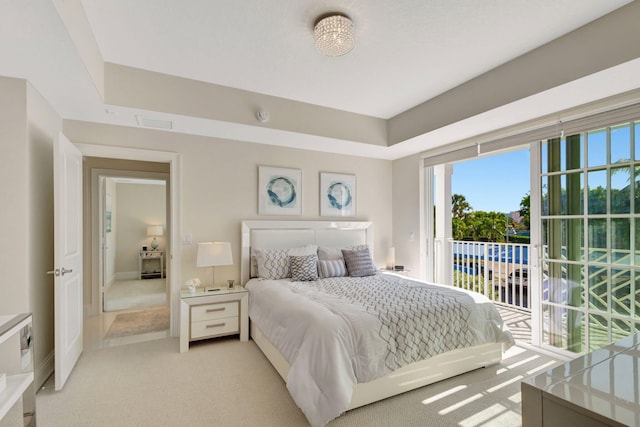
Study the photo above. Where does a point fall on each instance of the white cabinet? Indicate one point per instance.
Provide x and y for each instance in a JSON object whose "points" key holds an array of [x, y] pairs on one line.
{"points": [[17, 400], [601, 388], [150, 264], [213, 313]]}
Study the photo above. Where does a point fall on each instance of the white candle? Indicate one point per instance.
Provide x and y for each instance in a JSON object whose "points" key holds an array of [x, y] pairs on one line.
{"points": [[391, 258]]}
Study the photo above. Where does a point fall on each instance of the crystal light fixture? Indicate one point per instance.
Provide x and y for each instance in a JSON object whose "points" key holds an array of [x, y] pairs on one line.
{"points": [[334, 35]]}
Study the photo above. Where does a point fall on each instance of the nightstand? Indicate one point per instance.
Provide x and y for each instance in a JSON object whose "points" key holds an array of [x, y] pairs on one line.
{"points": [[150, 264], [208, 314]]}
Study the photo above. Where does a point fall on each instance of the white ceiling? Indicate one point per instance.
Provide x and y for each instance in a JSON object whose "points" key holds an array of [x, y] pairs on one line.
{"points": [[406, 52]]}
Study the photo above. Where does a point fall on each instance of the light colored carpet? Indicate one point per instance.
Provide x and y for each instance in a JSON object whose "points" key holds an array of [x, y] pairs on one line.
{"points": [[229, 383], [139, 322], [126, 294]]}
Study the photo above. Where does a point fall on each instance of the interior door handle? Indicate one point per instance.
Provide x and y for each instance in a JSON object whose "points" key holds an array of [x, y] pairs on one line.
{"points": [[64, 270], [55, 272]]}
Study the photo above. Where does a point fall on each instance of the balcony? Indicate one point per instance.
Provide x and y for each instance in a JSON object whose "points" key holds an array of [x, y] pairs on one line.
{"points": [[500, 272]]}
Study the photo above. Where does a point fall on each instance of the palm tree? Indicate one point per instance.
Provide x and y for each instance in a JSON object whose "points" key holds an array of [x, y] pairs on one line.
{"points": [[460, 207]]}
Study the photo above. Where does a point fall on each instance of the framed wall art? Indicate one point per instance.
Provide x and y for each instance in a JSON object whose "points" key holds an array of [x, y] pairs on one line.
{"points": [[279, 191], [337, 194]]}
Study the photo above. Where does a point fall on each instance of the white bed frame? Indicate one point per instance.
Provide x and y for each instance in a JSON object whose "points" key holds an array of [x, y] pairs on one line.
{"points": [[289, 234]]}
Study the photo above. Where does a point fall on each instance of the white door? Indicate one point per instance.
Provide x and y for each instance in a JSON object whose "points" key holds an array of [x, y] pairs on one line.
{"points": [[67, 190]]}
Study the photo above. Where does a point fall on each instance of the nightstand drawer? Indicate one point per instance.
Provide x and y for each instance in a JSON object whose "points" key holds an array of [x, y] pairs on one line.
{"points": [[214, 311], [226, 326]]}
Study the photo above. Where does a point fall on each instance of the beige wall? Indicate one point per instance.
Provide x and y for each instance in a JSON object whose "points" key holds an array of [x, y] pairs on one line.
{"points": [[138, 205], [406, 212], [219, 185], [28, 127], [14, 181]]}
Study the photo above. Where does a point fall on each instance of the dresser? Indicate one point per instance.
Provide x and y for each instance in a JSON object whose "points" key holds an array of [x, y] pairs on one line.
{"points": [[601, 388], [17, 391], [212, 313]]}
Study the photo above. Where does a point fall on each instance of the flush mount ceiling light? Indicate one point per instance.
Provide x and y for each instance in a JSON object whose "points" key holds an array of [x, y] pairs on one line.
{"points": [[334, 35]]}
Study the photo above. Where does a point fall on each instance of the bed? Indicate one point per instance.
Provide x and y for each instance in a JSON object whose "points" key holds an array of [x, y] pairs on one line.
{"points": [[335, 340]]}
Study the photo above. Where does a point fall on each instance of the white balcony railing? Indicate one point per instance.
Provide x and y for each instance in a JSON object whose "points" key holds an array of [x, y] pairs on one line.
{"points": [[499, 271]]}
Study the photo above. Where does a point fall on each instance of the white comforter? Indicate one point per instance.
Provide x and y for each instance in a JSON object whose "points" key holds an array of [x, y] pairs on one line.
{"points": [[331, 343]]}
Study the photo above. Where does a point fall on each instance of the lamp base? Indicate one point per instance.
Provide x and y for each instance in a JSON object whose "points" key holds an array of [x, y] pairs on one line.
{"points": [[154, 244]]}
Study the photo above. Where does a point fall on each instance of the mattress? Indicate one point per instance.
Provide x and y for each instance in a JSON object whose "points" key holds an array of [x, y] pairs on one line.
{"points": [[341, 331]]}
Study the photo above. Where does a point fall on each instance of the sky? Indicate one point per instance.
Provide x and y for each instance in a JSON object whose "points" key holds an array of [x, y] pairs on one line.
{"points": [[495, 183]]}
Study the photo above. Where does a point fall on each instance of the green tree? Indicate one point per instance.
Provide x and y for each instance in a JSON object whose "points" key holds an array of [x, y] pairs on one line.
{"points": [[525, 210], [460, 207]]}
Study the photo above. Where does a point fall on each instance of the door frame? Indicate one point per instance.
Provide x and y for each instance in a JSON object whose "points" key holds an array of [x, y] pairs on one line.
{"points": [[98, 176], [173, 260]]}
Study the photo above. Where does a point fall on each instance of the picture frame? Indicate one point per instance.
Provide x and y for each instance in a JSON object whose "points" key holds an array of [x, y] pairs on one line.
{"points": [[279, 191], [337, 194]]}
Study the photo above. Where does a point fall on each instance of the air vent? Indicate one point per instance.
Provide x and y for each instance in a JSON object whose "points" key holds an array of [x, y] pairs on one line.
{"points": [[148, 122]]}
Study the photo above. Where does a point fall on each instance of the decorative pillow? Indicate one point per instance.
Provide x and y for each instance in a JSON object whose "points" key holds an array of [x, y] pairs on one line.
{"points": [[304, 267], [329, 254], [359, 262], [332, 268], [274, 263]]}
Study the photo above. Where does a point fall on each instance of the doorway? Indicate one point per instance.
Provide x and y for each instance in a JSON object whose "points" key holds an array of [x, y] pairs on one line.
{"points": [[134, 249], [128, 204]]}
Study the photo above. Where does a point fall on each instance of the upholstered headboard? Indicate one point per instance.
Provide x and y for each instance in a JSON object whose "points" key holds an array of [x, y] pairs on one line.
{"points": [[291, 234]]}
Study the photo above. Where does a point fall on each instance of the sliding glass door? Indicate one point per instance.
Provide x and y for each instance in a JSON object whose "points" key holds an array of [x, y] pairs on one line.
{"points": [[590, 223]]}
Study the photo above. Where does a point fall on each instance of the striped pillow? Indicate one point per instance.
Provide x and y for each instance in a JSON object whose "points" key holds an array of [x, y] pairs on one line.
{"points": [[332, 268], [359, 262]]}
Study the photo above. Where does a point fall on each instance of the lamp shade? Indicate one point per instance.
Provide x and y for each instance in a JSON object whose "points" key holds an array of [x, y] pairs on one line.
{"points": [[214, 253], [154, 230]]}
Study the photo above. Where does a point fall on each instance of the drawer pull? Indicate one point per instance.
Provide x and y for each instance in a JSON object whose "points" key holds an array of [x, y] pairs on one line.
{"points": [[211, 310], [217, 325]]}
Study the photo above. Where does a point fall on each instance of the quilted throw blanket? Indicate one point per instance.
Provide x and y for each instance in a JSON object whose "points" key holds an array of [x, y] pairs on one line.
{"points": [[416, 322], [339, 331]]}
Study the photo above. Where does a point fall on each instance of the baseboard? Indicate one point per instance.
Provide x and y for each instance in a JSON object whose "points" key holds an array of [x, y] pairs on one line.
{"points": [[44, 370]]}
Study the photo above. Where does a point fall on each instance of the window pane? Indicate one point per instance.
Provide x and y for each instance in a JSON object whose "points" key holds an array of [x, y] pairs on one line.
{"points": [[637, 139], [597, 147], [597, 229], [573, 152], [545, 196], [544, 149], [597, 192], [562, 328], [636, 179], [573, 238], [562, 284], [619, 179], [598, 331], [620, 143], [572, 190], [621, 292], [598, 289], [620, 241], [637, 294], [637, 241], [621, 329]]}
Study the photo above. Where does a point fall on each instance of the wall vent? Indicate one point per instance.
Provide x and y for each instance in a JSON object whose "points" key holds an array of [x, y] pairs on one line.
{"points": [[148, 122]]}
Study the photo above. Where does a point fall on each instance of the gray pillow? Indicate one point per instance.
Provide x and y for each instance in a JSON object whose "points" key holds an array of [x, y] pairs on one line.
{"points": [[359, 262], [303, 267]]}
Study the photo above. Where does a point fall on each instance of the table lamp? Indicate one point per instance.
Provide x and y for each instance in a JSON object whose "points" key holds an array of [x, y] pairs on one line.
{"points": [[211, 254], [154, 230]]}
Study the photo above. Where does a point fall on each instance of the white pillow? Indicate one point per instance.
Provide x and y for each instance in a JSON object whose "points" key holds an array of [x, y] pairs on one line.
{"points": [[275, 264]]}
